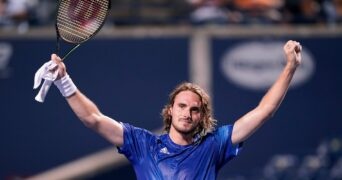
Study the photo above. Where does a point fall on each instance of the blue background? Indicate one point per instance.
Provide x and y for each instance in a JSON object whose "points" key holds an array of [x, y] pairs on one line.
{"points": [[130, 79]]}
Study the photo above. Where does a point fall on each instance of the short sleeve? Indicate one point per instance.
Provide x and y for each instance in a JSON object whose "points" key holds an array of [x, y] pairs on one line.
{"points": [[136, 142], [227, 149]]}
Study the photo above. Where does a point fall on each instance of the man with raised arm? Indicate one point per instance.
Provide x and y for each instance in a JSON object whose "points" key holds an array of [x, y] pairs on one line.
{"points": [[192, 147]]}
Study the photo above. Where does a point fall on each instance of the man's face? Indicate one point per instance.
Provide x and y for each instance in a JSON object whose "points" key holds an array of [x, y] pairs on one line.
{"points": [[185, 112]]}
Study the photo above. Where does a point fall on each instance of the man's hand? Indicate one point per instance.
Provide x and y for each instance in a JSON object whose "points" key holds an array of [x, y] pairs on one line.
{"points": [[60, 66], [51, 71], [293, 51]]}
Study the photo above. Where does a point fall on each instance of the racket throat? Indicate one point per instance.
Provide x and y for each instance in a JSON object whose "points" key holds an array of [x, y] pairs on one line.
{"points": [[72, 50]]}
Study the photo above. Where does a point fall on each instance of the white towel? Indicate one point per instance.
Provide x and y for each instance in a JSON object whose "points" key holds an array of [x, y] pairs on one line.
{"points": [[46, 72]]}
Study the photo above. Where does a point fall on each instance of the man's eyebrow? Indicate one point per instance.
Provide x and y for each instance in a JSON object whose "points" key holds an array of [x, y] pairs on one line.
{"points": [[181, 104]]}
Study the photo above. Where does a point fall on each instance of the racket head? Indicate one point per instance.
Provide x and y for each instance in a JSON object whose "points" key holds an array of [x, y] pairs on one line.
{"points": [[79, 20]]}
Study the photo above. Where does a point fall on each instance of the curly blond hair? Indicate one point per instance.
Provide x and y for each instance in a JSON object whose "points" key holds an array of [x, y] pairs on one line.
{"points": [[207, 124]]}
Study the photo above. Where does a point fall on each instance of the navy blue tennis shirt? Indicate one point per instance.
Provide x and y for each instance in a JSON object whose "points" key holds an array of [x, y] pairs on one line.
{"points": [[157, 157]]}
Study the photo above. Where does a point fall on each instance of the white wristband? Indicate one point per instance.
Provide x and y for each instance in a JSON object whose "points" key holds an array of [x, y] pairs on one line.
{"points": [[66, 86]]}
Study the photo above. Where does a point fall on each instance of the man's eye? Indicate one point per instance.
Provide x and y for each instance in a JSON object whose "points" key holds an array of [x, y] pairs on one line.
{"points": [[195, 109]]}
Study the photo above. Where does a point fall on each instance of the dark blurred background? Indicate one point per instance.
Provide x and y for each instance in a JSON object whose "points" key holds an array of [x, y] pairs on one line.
{"points": [[232, 48]]}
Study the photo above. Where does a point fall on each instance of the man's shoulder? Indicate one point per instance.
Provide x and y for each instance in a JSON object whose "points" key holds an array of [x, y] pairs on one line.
{"points": [[136, 130], [227, 127]]}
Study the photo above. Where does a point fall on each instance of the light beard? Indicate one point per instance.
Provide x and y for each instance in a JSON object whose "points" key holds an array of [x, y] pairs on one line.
{"points": [[185, 132], [188, 132]]}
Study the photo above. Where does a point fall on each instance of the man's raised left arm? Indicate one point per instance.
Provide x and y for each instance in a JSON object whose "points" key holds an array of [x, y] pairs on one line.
{"points": [[250, 122]]}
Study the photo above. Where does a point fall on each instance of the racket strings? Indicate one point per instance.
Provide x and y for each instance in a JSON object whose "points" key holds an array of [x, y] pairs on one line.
{"points": [[78, 20], [70, 33]]}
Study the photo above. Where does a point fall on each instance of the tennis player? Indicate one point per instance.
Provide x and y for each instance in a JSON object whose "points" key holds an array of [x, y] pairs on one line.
{"points": [[192, 147]]}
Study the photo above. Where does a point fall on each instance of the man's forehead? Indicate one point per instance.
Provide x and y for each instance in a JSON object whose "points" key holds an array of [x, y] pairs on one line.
{"points": [[188, 97]]}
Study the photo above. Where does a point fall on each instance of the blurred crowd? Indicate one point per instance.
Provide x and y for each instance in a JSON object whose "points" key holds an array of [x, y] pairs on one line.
{"points": [[267, 11], [22, 14], [325, 163]]}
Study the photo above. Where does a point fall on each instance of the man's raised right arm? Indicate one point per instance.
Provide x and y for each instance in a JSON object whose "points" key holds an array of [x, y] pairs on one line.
{"points": [[89, 114]]}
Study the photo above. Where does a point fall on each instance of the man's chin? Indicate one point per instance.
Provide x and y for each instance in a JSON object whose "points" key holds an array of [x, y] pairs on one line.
{"points": [[186, 131]]}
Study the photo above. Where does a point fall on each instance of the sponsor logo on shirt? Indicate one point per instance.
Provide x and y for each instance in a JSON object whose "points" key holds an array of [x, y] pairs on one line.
{"points": [[164, 150]]}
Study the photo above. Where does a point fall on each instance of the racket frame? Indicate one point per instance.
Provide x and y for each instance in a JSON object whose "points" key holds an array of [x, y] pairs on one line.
{"points": [[40, 97]]}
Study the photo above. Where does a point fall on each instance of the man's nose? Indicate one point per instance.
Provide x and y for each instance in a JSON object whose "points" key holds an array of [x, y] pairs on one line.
{"points": [[187, 113]]}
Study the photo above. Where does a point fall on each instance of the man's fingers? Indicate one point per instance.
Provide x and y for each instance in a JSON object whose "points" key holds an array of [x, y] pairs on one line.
{"points": [[293, 45], [53, 66], [55, 58], [298, 47]]}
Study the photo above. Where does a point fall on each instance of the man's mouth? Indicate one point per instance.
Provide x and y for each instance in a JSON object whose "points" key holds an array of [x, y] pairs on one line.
{"points": [[189, 121]]}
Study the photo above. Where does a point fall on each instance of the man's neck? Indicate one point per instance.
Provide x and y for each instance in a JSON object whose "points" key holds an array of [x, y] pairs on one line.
{"points": [[180, 138]]}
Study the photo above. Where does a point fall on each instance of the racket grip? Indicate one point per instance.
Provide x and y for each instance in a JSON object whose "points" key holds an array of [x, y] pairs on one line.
{"points": [[40, 97]]}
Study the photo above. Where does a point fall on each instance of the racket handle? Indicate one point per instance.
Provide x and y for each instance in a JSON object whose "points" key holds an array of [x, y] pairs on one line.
{"points": [[43, 91]]}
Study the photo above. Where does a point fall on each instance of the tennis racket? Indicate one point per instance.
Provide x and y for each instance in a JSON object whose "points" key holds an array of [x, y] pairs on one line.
{"points": [[77, 21]]}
